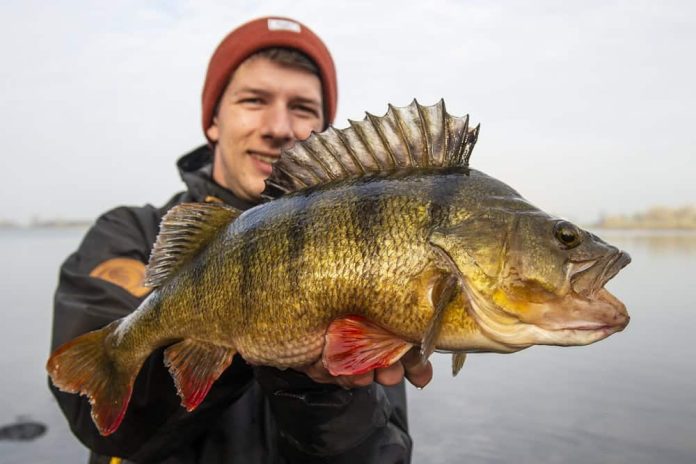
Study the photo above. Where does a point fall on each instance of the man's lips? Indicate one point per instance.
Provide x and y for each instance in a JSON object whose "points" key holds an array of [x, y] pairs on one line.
{"points": [[266, 157], [264, 161]]}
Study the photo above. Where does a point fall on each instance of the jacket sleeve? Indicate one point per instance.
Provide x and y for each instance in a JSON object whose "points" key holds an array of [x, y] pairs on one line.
{"points": [[155, 425], [320, 423]]}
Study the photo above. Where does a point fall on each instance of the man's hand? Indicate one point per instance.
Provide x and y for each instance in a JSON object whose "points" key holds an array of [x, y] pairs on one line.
{"points": [[409, 366]]}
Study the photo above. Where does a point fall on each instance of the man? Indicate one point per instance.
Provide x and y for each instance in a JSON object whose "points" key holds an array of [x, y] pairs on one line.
{"points": [[269, 83]]}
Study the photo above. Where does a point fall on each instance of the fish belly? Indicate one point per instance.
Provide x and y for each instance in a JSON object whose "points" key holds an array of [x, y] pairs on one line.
{"points": [[282, 352]]}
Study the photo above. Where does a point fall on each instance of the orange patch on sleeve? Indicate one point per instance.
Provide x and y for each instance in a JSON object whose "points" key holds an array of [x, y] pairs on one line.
{"points": [[127, 273]]}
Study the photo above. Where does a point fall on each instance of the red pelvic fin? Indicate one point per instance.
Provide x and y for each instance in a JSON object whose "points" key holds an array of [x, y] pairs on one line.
{"points": [[354, 345], [83, 366], [195, 366]]}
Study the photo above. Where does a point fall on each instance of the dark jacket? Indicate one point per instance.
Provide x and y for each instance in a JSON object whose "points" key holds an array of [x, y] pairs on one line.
{"points": [[250, 415]]}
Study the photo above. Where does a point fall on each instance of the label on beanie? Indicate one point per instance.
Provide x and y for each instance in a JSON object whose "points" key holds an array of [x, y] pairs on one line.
{"points": [[283, 25]]}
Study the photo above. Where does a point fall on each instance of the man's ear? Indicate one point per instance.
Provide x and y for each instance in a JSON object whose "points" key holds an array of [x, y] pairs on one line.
{"points": [[213, 132]]}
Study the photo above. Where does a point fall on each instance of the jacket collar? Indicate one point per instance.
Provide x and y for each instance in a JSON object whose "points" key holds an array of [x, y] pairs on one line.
{"points": [[196, 168]]}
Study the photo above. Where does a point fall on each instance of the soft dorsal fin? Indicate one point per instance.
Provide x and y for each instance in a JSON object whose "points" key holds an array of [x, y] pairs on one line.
{"points": [[414, 136], [184, 231]]}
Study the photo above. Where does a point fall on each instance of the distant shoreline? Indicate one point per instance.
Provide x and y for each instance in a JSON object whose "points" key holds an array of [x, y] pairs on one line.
{"points": [[627, 228], [60, 224], [625, 232], [658, 218], [595, 226]]}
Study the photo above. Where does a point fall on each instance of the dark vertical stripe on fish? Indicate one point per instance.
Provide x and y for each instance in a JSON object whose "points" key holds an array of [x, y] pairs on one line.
{"points": [[368, 211], [247, 257], [295, 235], [436, 212], [441, 194], [197, 279]]}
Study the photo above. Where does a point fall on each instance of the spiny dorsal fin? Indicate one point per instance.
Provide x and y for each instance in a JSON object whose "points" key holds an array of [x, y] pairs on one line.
{"points": [[184, 231], [415, 136]]}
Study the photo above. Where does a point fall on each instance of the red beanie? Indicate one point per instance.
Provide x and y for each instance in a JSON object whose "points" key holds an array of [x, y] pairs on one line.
{"points": [[266, 33]]}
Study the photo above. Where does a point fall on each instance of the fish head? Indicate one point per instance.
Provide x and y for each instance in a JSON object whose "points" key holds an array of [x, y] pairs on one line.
{"points": [[553, 277], [531, 278]]}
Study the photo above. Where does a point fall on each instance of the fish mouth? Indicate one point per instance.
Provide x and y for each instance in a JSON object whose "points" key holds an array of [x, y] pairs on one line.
{"points": [[578, 336], [590, 312], [609, 317], [590, 276]]}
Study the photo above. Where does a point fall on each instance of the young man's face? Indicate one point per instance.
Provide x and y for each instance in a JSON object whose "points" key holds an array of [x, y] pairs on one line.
{"points": [[265, 108]]}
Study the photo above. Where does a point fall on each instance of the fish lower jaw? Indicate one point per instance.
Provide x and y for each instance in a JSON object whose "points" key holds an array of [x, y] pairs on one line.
{"points": [[589, 328], [573, 336], [588, 334], [521, 335], [613, 324]]}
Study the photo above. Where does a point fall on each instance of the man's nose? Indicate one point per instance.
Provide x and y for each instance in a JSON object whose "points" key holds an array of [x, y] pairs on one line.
{"points": [[278, 125]]}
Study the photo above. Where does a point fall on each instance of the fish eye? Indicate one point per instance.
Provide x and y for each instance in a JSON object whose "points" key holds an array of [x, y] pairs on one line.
{"points": [[567, 234]]}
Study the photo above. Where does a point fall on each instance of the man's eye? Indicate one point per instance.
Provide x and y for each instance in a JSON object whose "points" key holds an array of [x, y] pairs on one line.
{"points": [[306, 110], [252, 101]]}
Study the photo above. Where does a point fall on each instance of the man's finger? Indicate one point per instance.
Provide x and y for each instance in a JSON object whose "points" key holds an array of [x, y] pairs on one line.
{"points": [[417, 372], [320, 374], [390, 375], [355, 381], [317, 372]]}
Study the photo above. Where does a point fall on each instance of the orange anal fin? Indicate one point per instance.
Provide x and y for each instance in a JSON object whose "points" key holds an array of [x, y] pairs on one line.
{"points": [[195, 366], [83, 366], [354, 345]]}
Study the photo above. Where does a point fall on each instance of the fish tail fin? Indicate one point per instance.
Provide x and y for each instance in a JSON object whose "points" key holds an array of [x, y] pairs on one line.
{"points": [[83, 366]]}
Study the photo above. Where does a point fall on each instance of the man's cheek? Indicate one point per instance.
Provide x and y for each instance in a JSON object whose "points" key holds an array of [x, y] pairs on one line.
{"points": [[306, 131]]}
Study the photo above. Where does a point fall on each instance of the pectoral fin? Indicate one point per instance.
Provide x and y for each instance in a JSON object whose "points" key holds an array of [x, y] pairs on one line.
{"points": [[354, 345], [442, 294], [457, 362], [195, 365]]}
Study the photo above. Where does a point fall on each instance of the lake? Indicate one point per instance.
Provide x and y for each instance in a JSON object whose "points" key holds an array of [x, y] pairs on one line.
{"points": [[628, 399]]}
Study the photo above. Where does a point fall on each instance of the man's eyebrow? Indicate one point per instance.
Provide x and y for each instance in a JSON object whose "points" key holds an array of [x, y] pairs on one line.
{"points": [[263, 92], [312, 101], [253, 90]]}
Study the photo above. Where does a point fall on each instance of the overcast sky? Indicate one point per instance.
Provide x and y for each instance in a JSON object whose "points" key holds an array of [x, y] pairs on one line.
{"points": [[585, 107]]}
